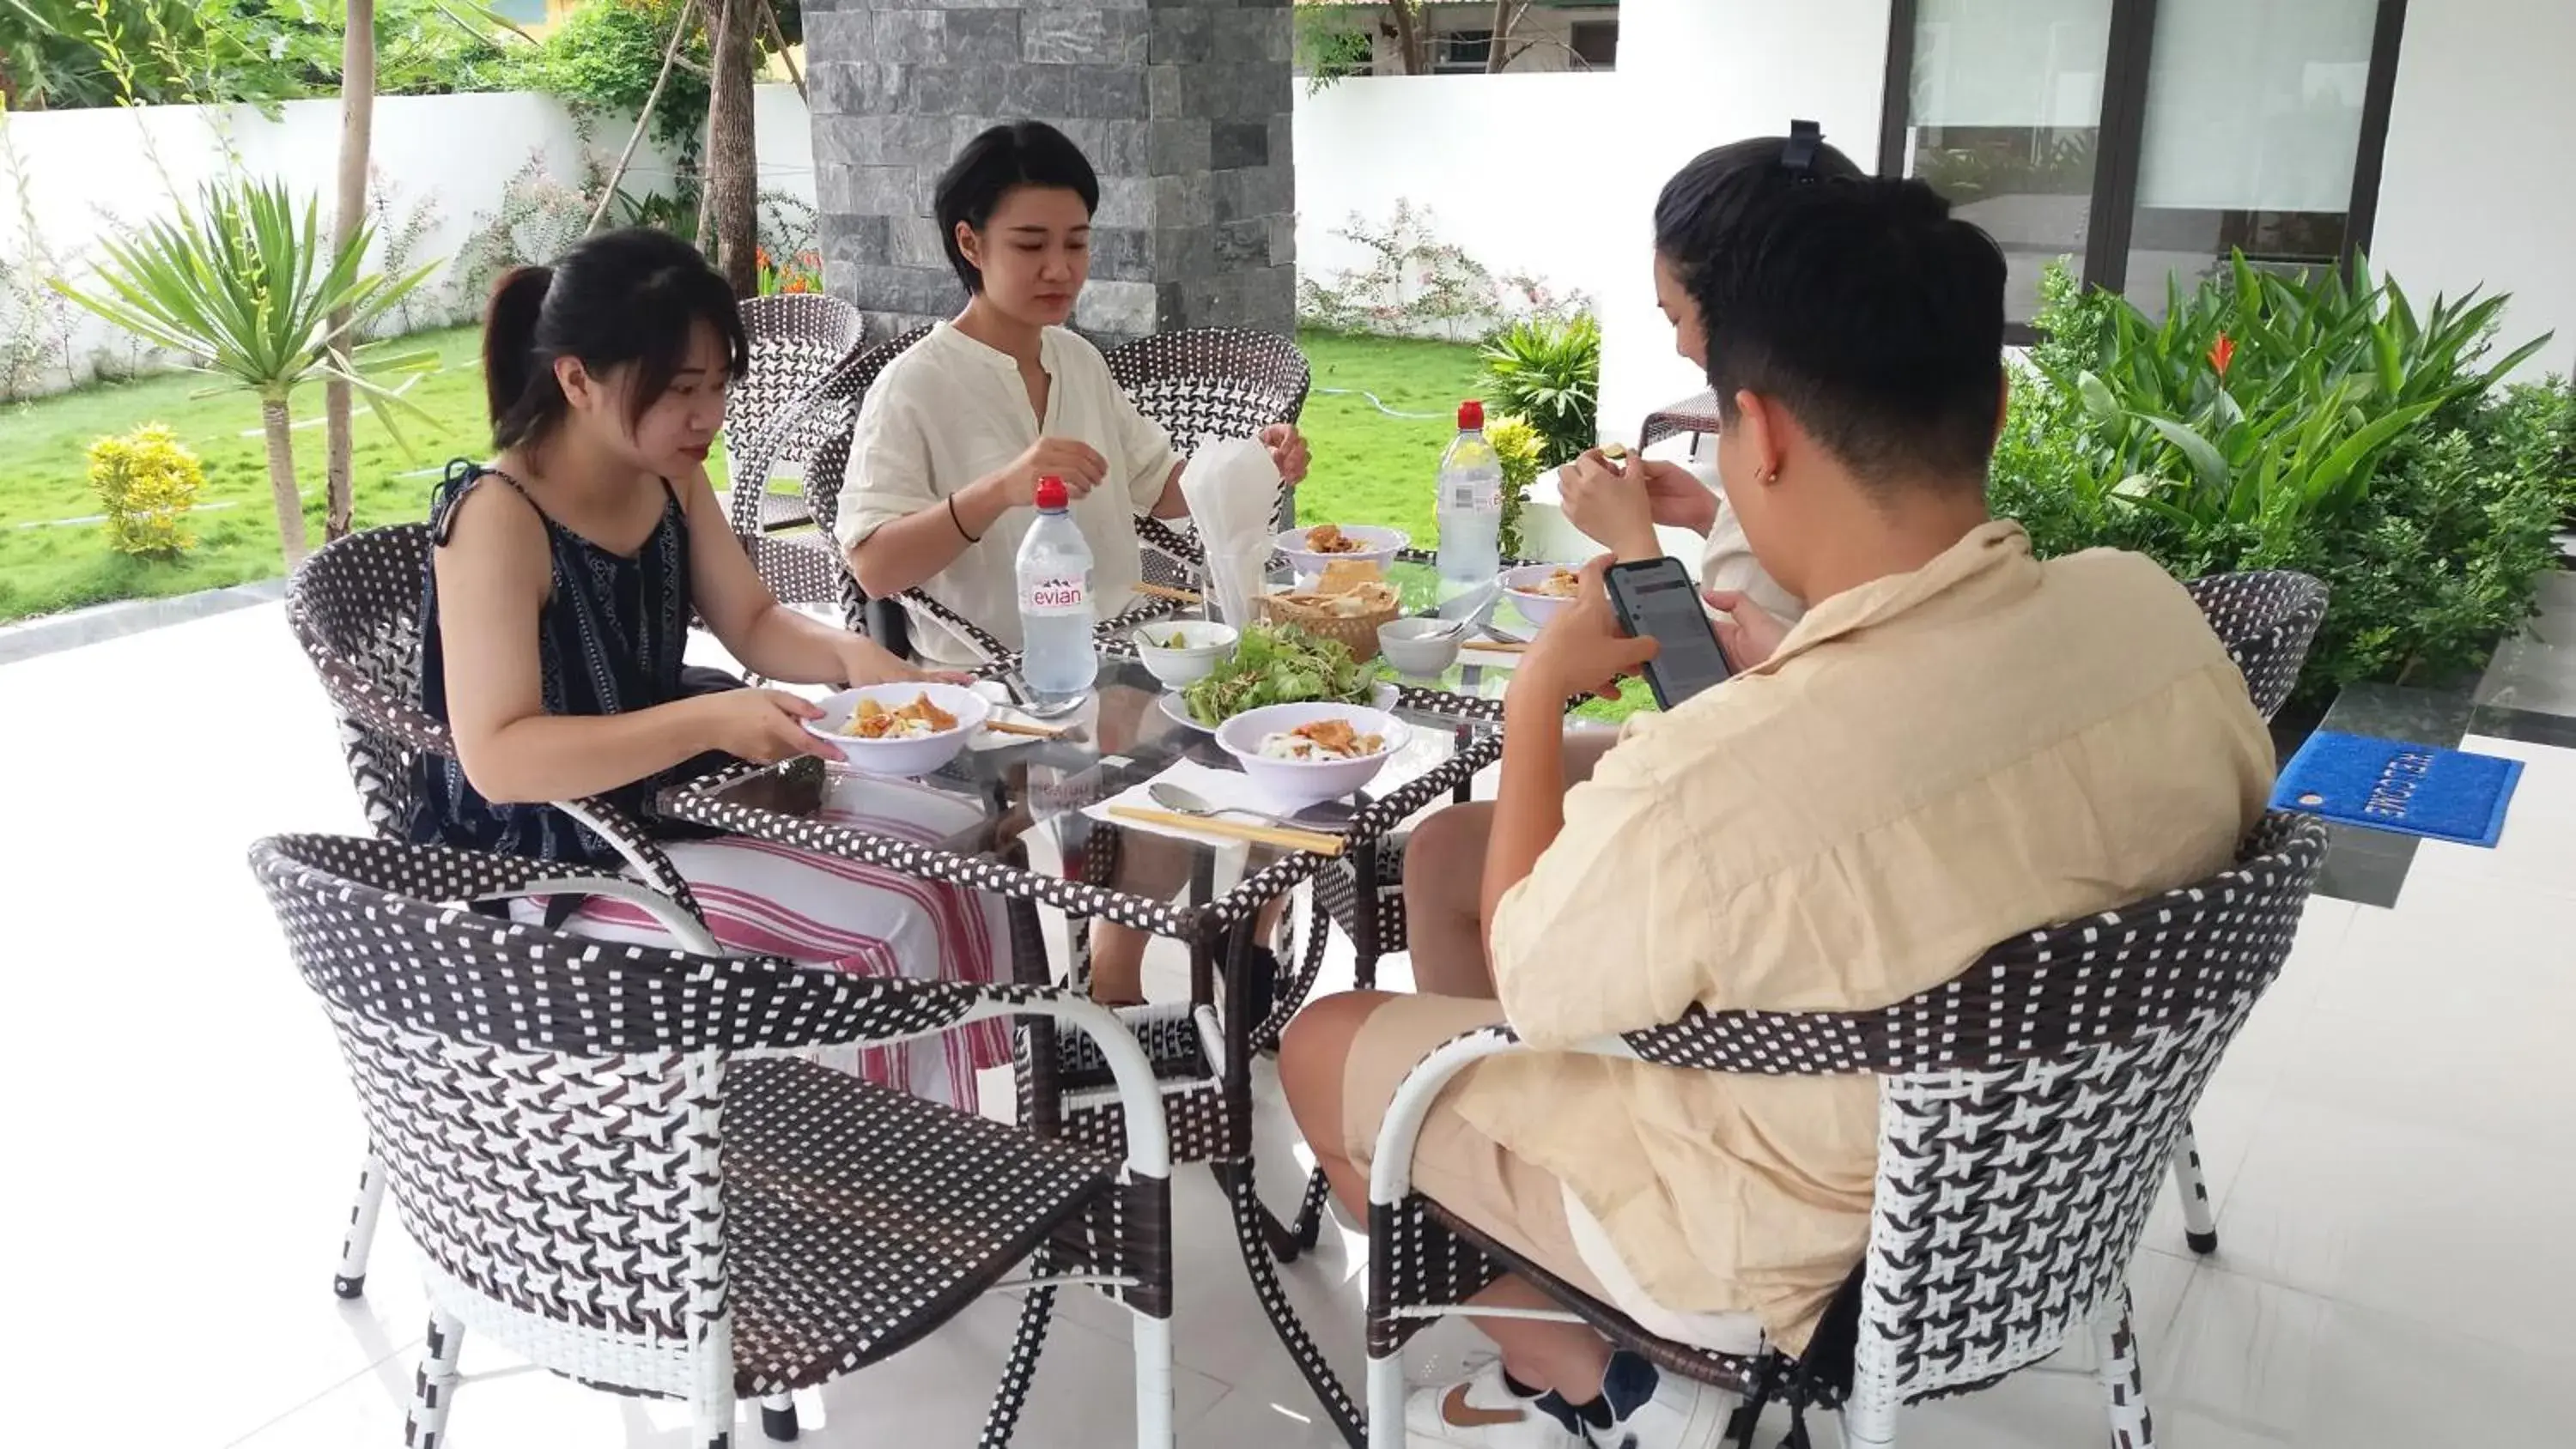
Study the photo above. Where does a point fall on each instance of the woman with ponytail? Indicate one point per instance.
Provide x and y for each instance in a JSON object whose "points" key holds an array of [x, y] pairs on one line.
{"points": [[563, 581]]}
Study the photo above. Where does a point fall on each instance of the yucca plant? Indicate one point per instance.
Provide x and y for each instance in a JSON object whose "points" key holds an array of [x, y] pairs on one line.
{"points": [[244, 288], [1547, 372]]}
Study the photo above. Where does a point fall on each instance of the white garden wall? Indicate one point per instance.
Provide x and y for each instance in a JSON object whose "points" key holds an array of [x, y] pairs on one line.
{"points": [[1500, 161], [1557, 174], [85, 175]]}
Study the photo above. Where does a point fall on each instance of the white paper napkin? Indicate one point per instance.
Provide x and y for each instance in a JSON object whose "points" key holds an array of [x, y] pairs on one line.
{"points": [[1232, 488], [1223, 788]]}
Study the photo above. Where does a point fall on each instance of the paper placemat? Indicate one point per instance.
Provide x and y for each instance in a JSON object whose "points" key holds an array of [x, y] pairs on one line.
{"points": [[1231, 788]]}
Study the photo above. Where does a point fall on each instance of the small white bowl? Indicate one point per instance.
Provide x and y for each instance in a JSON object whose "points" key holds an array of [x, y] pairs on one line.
{"points": [[1293, 785], [918, 755], [1422, 648], [1204, 647], [1521, 582], [1376, 545]]}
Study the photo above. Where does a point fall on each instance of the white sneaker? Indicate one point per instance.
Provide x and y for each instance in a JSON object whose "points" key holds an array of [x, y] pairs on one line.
{"points": [[1480, 1412], [1668, 1412]]}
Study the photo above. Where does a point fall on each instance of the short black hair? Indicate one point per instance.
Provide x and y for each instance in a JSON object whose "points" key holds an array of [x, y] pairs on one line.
{"points": [[617, 299], [1022, 153], [1859, 302]]}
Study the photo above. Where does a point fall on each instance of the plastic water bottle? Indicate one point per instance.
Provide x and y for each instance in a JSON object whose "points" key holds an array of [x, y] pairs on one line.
{"points": [[1059, 661], [1470, 506]]}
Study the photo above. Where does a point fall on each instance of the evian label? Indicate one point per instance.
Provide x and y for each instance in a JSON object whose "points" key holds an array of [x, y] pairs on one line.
{"points": [[1055, 594]]}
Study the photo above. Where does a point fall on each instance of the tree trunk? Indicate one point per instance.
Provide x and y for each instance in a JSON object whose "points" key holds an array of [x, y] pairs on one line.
{"points": [[1498, 50], [643, 118], [282, 491], [1412, 51], [731, 211], [357, 124]]}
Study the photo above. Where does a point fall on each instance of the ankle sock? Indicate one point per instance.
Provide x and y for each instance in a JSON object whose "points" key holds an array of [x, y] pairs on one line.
{"points": [[1629, 1383], [1573, 1416]]}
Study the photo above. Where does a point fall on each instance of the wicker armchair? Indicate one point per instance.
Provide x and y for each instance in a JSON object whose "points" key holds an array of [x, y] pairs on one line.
{"points": [[355, 607], [614, 1169], [2266, 621], [806, 567], [1207, 382], [2025, 1108], [798, 342]]}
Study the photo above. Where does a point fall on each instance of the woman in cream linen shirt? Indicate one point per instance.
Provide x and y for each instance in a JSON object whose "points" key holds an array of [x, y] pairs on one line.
{"points": [[957, 431]]}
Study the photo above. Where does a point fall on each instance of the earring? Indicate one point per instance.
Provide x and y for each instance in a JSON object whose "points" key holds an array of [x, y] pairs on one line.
{"points": [[1767, 477]]}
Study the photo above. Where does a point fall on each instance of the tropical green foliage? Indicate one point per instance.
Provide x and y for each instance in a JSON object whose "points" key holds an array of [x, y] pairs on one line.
{"points": [[67, 54], [1547, 372], [244, 288], [2318, 423]]}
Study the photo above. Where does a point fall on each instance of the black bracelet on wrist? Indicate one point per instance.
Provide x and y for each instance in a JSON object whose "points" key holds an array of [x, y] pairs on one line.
{"points": [[960, 522]]}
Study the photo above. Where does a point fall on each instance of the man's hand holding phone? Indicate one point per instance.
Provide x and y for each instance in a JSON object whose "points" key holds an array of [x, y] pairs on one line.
{"points": [[1583, 650]]}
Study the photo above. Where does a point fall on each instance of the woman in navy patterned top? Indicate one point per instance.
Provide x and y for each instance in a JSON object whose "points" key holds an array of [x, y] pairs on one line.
{"points": [[561, 590]]}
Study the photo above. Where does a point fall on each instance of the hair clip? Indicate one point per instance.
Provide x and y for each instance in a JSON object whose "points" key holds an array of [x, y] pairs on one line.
{"points": [[1798, 153]]}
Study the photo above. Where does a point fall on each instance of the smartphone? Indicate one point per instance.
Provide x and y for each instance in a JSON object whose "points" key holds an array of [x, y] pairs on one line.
{"points": [[1657, 599]]}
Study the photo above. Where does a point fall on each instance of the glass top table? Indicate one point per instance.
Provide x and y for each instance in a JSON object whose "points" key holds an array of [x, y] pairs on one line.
{"points": [[975, 821]]}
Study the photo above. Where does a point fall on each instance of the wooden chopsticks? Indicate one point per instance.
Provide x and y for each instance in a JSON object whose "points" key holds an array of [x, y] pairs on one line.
{"points": [[1177, 596], [1314, 841], [1013, 727]]}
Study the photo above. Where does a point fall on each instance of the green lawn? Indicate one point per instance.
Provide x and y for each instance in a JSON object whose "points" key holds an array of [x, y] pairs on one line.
{"points": [[1369, 468], [46, 443]]}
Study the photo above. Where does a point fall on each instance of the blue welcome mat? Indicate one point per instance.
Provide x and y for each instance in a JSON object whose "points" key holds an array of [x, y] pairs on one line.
{"points": [[2391, 785]]}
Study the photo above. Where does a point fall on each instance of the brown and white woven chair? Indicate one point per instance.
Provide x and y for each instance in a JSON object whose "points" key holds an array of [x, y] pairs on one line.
{"points": [[1220, 382], [799, 341], [355, 609], [2266, 620], [2026, 1108], [617, 1167]]}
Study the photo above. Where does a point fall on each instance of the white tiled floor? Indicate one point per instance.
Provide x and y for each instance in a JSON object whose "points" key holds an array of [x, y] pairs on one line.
{"points": [[2392, 1143]]}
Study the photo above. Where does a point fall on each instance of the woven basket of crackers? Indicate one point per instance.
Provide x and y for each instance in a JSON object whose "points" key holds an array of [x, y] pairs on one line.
{"points": [[1348, 604]]}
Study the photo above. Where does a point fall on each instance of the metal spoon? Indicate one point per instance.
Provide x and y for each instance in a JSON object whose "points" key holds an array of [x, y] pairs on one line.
{"points": [[1181, 800]]}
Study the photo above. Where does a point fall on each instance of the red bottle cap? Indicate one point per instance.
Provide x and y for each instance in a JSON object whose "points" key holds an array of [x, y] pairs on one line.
{"points": [[1051, 493], [1471, 416]]}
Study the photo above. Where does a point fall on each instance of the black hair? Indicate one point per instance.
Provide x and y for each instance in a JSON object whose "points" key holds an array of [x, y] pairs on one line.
{"points": [[621, 298], [1859, 302], [1022, 153]]}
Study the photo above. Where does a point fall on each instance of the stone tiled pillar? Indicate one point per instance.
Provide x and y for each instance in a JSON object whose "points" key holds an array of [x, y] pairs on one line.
{"points": [[1182, 106]]}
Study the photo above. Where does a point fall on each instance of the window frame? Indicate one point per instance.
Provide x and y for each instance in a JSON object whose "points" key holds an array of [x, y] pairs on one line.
{"points": [[2110, 223], [1442, 40], [1573, 41]]}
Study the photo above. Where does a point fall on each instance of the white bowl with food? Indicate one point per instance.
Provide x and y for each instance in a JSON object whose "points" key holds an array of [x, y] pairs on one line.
{"points": [[1185, 651], [900, 729], [1314, 549], [1541, 590], [1305, 754]]}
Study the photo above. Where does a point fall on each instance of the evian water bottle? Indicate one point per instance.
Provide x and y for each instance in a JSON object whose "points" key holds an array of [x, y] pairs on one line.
{"points": [[1059, 661], [1470, 506]]}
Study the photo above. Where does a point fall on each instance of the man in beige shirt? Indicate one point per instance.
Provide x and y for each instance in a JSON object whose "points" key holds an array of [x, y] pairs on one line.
{"points": [[1955, 745]]}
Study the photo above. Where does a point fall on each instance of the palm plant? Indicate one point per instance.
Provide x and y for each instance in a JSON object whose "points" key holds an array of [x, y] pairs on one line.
{"points": [[246, 290]]}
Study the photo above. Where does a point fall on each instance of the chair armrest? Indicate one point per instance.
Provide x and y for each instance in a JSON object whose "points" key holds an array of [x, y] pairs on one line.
{"points": [[685, 928], [1391, 1171], [1140, 1096]]}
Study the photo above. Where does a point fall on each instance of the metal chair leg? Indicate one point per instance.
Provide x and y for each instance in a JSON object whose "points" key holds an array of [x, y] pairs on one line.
{"points": [[2200, 1226], [435, 1385], [2123, 1376], [351, 1280]]}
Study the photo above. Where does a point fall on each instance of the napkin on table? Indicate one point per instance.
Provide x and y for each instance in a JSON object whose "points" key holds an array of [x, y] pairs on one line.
{"points": [[1224, 788]]}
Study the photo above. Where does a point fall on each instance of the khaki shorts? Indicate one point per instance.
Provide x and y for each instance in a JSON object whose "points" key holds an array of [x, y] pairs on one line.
{"points": [[1505, 1197]]}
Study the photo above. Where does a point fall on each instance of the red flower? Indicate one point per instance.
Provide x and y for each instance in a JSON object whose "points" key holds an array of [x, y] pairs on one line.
{"points": [[2222, 353]]}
